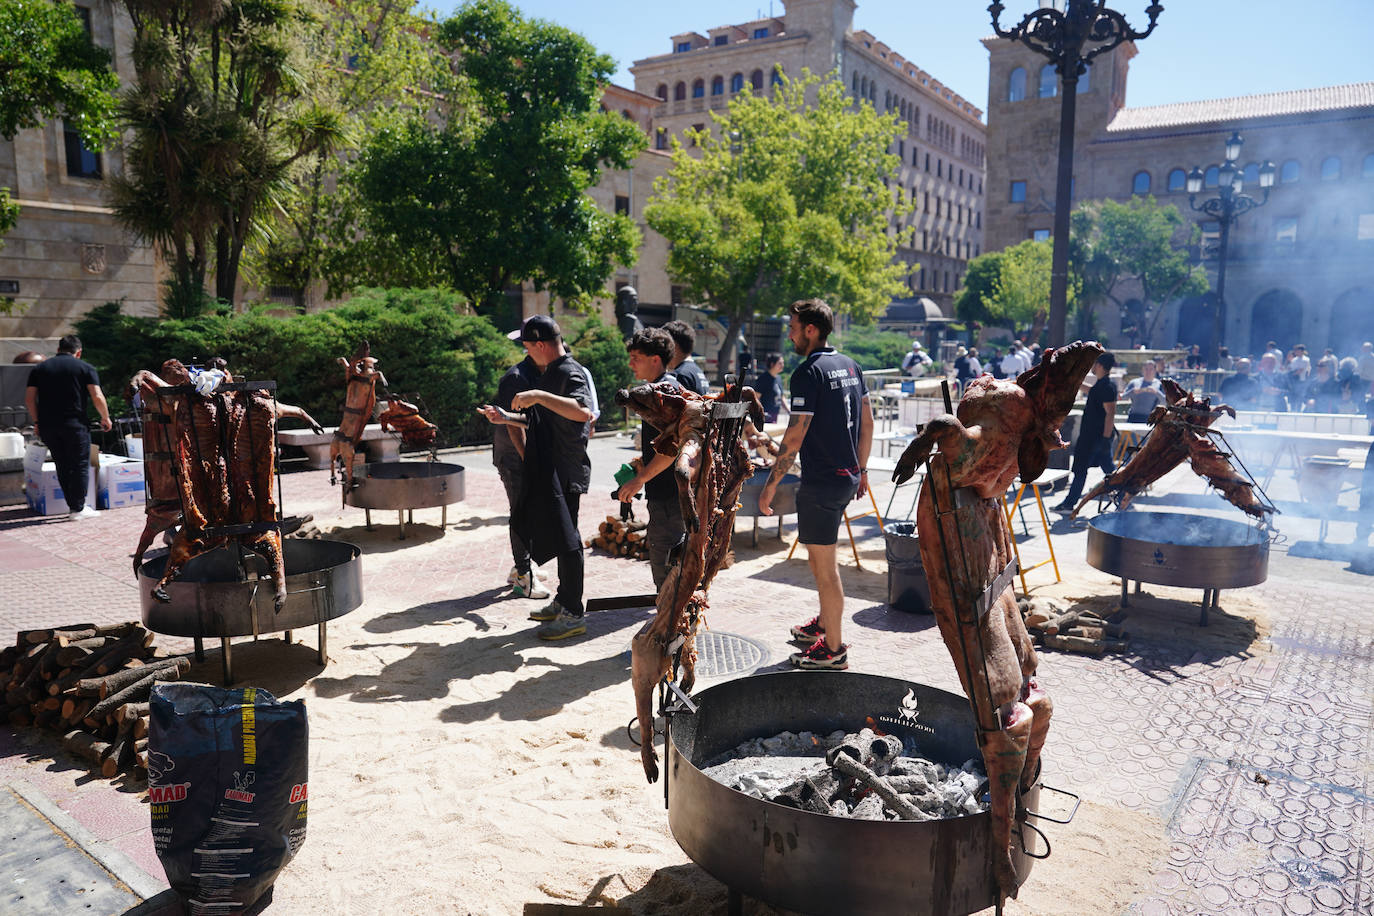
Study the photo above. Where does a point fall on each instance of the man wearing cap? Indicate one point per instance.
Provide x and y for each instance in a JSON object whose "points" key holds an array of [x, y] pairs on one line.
{"points": [[917, 362], [556, 413]]}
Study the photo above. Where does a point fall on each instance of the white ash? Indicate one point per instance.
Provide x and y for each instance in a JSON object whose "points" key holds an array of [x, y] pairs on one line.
{"points": [[788, 767]]}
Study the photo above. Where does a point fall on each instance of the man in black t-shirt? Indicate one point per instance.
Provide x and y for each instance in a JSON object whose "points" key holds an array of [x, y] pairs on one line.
{"points": [[649, 351], [59, 392], [557, 414], [508, 454], [831, 427], [1098, 427], [769, 386], [683, 366]]}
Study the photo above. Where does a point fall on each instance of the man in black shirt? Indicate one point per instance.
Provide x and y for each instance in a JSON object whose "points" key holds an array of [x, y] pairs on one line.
{"points": [[831, 427], [1098, 426], [683, 366], [508, 454], [60, 390], [769, 386], [1241, 391], [556, 413], [649, 351]]}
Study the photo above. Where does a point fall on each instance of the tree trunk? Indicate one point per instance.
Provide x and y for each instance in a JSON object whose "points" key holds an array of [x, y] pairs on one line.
{"points": [[734, 330]]}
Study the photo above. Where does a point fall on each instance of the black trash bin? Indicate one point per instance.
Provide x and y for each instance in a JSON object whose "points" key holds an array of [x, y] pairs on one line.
{"points": [[907, 588]]}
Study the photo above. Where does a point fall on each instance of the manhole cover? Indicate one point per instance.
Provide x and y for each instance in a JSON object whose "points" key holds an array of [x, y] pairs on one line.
{"points": [[719, 654]]}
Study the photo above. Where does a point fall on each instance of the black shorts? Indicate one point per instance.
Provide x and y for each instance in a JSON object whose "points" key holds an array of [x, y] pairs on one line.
{"points": [[820, 509]]}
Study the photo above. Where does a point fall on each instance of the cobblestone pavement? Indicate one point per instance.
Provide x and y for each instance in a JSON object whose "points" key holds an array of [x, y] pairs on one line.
{"points": [[1251, 741]]}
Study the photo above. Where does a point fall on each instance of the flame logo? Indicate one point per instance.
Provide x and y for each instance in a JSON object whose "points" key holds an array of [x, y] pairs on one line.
{"points": [[909, 708], [1159, 557]]}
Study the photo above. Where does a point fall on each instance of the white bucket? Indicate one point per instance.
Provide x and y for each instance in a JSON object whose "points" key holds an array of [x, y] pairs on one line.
{"points": [[11, 445]]}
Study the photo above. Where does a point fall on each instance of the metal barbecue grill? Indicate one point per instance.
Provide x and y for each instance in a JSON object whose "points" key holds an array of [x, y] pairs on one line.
{"points": [[406, 486]]}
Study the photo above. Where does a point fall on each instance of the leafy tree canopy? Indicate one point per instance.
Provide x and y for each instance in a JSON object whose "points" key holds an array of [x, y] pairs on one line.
{"points": [[489, 191], [1010, 288], [785, 198], [49, 68]]}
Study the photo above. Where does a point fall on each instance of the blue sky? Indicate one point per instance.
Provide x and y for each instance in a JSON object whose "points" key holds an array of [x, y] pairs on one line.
{"points": [[1201, 49]]}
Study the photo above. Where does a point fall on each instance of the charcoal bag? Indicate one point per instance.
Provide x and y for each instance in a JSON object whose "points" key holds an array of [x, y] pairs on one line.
{"points": [[227, 791]]}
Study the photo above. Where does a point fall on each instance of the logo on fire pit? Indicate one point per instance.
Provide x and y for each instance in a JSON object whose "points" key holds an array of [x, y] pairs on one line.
{"points": [[1159, 557], [907, 712]]}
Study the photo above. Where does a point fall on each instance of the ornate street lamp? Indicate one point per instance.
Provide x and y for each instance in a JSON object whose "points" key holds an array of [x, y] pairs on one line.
{"points": [[1225, 208], [1060, 30]]}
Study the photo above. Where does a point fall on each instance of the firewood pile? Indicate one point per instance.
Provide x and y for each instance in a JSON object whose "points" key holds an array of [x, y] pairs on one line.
{"points": [[1082, 631], [622, 539], [91, 685]]}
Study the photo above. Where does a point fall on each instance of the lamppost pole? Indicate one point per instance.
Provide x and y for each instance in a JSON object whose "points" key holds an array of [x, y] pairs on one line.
{"points": [[1059, 30], [1226, 208]]}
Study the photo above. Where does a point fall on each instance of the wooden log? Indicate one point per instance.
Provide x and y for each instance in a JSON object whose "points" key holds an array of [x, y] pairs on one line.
{"points": [[1083, 632], [1062, 622], [85, 745], [50, 703], [43, 718], [1075, 644], [130, 712], [77, 652], [35, 676], [141, 728], [68, 635], [115, 655], [20, 717], [139, 690], [34, 637], [8, 656], [103, 686]]}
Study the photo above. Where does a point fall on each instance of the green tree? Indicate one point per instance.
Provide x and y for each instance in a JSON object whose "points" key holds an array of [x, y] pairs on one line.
{"points": [[219, 114], [1010, 288], [1121, 248], [373, 62], [490, 190], [49, 68], [786, 198]]}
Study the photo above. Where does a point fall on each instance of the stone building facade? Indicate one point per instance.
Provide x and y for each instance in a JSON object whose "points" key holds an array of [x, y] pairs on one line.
{"points": [[67, 254], [942, 153], [1299, 269]]}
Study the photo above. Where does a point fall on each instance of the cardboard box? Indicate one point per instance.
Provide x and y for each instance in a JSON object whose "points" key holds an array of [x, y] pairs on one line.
{"points": [[41, 489], [119, 482]]}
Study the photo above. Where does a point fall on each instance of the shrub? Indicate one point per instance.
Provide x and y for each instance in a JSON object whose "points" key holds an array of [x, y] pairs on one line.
{"points": [[601, 348], [872, 348]]}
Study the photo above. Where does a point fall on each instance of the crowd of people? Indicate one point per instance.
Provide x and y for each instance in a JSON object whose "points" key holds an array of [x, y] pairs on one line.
{"points": [[1293, 382]]}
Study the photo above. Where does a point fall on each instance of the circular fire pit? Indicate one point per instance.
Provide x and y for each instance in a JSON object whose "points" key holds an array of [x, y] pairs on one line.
{"points": [[784, 499], [1170, 548], [406, 486], [215, 596], [815, 863]]}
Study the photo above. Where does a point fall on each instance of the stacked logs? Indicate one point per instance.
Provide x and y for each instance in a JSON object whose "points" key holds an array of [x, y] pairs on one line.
{"points": [[1083, 631], [91, 685], [622, 539]]}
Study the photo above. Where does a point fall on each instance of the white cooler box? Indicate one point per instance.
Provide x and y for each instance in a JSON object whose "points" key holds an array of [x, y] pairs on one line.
{"points": [[41, 489], [120, 482]]}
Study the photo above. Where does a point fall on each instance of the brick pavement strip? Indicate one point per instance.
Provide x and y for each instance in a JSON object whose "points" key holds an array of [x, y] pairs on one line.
{"points": [[1259, 764]]}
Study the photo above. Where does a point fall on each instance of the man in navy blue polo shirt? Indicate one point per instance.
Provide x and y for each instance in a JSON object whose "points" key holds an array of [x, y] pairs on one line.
{"points": [[831, 427]]}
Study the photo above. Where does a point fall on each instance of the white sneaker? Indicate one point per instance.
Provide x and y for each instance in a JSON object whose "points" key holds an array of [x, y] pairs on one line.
{"points": [[528, 586], [86, 512], [512, 575]]}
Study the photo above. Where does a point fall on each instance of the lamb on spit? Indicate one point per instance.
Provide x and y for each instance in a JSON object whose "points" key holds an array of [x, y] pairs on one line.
{"points": [[1002, 429], [404, 418], [162, 504], [224, 451], [710, 470], [1180, 431], [360, 400]]}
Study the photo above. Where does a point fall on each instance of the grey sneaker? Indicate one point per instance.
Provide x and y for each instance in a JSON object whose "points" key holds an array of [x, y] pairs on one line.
{"points": [[512, 575], [548, 612], [562, 627], [528, 586]]}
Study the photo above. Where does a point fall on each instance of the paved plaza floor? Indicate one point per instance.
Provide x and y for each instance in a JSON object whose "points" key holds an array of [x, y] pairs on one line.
{"points": [[1223, 770]]}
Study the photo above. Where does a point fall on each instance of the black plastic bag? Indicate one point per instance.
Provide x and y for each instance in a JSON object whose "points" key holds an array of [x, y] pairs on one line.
{"points": [[227, 787]]}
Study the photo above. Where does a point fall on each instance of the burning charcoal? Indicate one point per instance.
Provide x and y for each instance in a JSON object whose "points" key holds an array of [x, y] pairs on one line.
{"points": [[917, 766], [839, 808], [870, 809]]}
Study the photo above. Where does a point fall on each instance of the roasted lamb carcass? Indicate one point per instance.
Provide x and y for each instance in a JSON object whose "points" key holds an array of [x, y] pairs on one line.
{"points": [[1002, 429], [711, 467], [162, 503], [404, 418], [360, 400], [1179, 432]]}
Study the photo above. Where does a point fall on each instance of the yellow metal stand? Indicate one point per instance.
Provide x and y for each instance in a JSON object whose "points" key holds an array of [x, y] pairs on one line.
{"points": [[1044, 520], [852, 518]]}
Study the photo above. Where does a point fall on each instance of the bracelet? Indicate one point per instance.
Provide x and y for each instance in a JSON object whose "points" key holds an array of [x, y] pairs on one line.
{"points": [[863, 470]]}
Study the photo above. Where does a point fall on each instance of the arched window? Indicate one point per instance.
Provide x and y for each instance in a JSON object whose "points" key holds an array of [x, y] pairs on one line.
{"points": [[1016, 85], [1211, 177], [756, 79], [1290, 172], [1250, 175], [856, 82], [776, 78], [1140, 184], [863, 88], [679, 92], [1049, 82], [661, 138], [1331, 168], [737, 82], [717, 85], [662, 91], [1178, 180], [698, 89], [1367, 171], [626, 114], [887, 101]]}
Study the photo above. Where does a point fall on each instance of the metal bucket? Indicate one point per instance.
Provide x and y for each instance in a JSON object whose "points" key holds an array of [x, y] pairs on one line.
{"points": [[407, 485], [819, 864]]}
